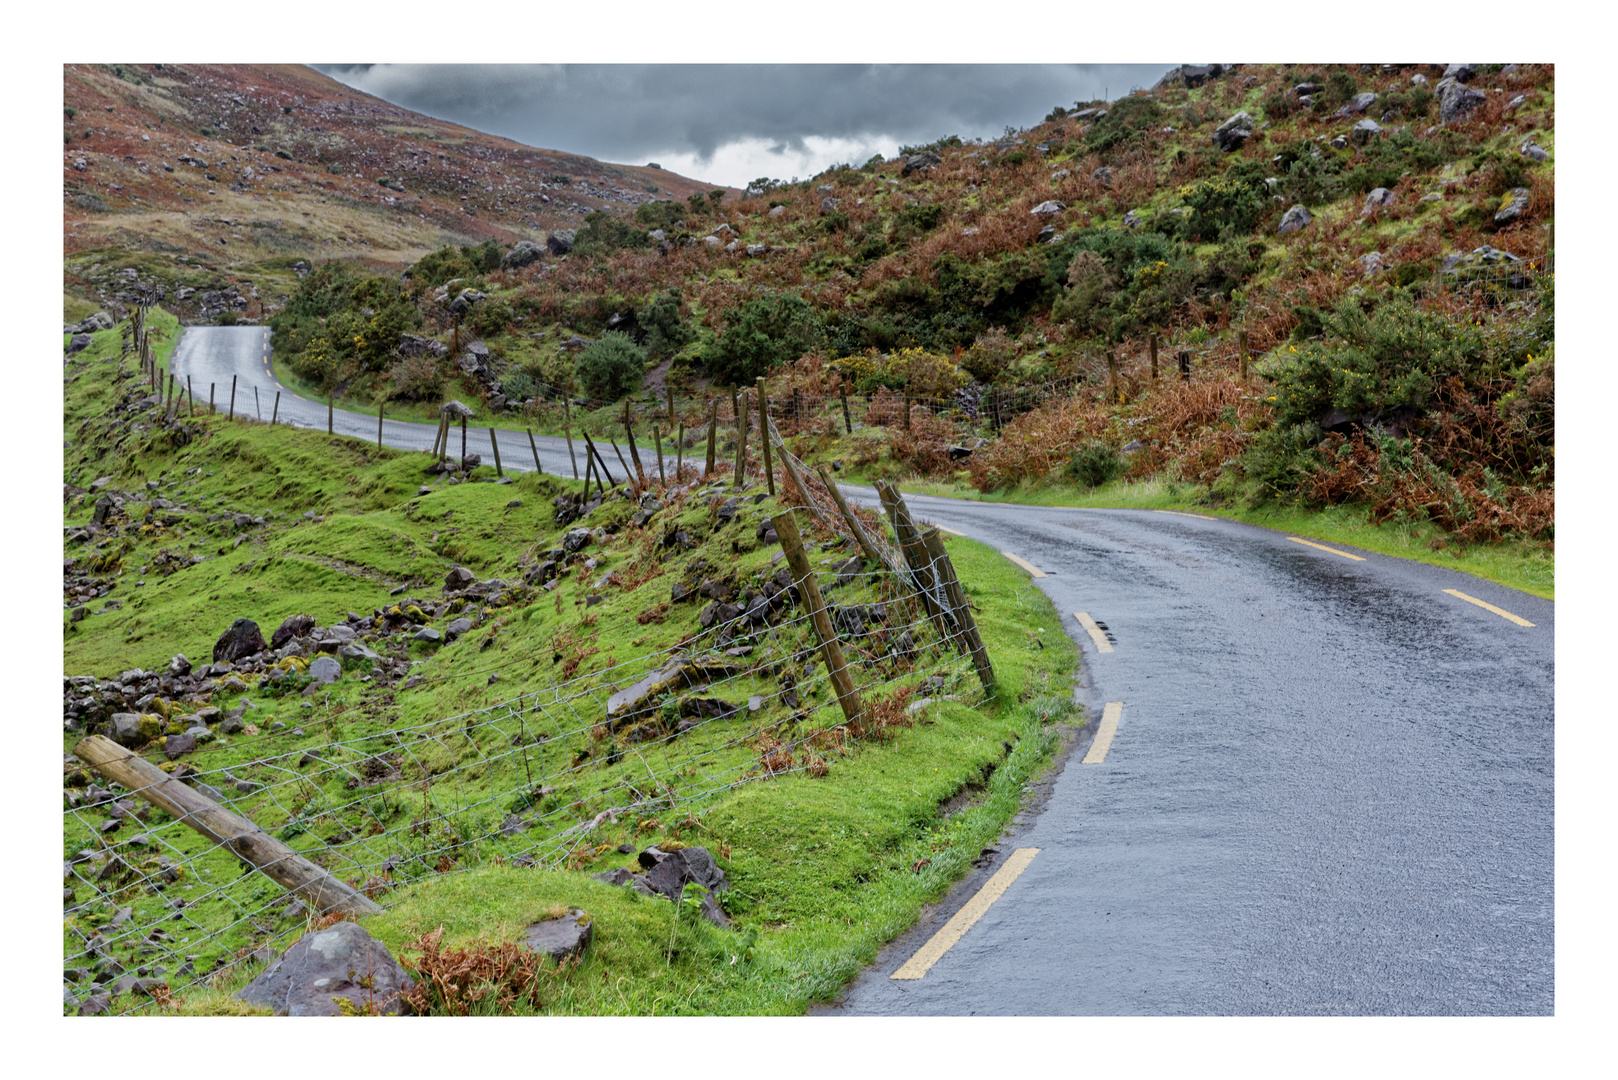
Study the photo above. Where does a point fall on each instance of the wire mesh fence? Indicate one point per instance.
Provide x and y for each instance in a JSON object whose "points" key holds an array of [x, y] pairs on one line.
{"points": [[783, 678]]}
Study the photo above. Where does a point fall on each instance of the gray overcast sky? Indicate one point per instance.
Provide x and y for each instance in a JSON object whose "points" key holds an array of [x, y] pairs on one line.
{"points": [[732, 123]]}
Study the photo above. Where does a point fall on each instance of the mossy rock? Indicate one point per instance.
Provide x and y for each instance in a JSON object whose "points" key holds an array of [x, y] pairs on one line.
{"points": [[151, 726]]}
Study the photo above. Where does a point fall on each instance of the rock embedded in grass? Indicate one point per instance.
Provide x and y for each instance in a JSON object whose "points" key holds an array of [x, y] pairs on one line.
{"points": [[340, 961]]}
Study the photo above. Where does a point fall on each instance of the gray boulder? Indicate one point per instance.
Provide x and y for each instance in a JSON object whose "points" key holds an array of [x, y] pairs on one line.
{"points": [[1512, 206], [1534, 151], [427, 635], [239, 642], [78, 343], [1365, 131], [560, 242], [325, 670], [920, 162], [293, 626], [340, 961], [1103, 175], [1379, 197], [1294, 219], [1460, 72], [563, 937], [522, 253], [1047, 208], [1233, 132], [1456, 102], [1357, 104], [456, 628]]}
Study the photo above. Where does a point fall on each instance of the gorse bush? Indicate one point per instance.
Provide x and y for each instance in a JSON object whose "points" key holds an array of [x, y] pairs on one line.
{"points": [[603, 234], [666, 330], [1093, 463], [761, 335], [341, 322], [611, 366]]}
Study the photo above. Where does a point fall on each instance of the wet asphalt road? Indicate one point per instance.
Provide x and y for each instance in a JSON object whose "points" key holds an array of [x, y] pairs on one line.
{"points": [[1330, 792], [214, 354]]}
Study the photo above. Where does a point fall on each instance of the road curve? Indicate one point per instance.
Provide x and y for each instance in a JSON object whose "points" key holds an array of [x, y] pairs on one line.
{"points": [[211, 356], [1330, 790]]}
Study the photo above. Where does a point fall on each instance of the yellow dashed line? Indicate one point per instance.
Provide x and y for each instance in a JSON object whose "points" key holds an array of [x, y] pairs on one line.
{"points": [[964, 919], [1323, 547], [1097, 635], [1503, 613], [1025, 564], [1104, 733], [1181, 513]]}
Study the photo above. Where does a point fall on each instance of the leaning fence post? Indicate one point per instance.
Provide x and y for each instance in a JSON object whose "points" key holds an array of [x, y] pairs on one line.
{"points": [[797, 478], [232, 415], [786, 527], [904, 529], [211, 409], [567, 432], [955, 593], [713, 432], [854, 526], [764, 434], [323, 891], [276, 411], [657, 443], [629, 434], [189, 396], [741, 438], [498, 470], [537, 467], [848, 421]]}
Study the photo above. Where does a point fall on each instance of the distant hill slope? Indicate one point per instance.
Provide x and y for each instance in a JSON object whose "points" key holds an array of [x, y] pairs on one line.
{"points": [[207, 176]]}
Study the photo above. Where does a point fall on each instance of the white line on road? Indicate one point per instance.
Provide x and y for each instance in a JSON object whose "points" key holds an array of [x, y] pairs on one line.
{"points": [[1025, 564], [1104, 733], [964, 919], [1095, 632]]}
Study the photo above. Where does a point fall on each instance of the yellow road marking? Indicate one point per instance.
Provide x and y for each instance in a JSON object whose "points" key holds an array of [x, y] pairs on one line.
{"points": [[964, 919], [1025, 564], [1181, 513], [1323, 547], [1104, 733], [1097, 635], [945, 529], [1519, 620]]}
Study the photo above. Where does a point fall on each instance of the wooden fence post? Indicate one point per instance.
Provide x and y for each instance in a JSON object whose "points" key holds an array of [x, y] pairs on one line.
{"points": [[867, 548], [713, 432], [657, 444], [955, 593], [275, 412], [809, 592], [764, 433], [567, 430], [915, 556], [740, 408], [629, 433], [190, 397], [538, 468], [499, 470], [670, 390], [329, 410], [232, 398], [679, 453], [1184, 357], [1151, 345], [379, 407], [797, 478], [322, 890], [622, 461], [601, 465], [211, 409]]}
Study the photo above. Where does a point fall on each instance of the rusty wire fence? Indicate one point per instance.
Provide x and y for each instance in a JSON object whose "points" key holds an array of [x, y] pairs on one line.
{"points": [[176, 876]]}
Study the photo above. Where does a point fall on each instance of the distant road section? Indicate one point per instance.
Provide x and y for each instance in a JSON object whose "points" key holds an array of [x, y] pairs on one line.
{"points": [[213, 355]]}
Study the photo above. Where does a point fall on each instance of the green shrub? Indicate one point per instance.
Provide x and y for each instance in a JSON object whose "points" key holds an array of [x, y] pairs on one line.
{"points": [[1223, 204], [666, 331], [917, 220], [604, 233], [763, 334], [1371, 363], [518, 385], [1126, 122], [611, 366], [1093, 463], [663, 213]]}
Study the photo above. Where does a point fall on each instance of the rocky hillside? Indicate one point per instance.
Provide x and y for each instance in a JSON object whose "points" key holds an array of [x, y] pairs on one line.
{"points": [[208, 182]]}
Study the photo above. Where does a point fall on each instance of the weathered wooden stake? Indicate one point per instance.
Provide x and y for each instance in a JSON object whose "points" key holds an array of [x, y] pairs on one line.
{"points": [[713, 433], [629, 434], [211, 409], [621, 460], [567, 430], [679, 453], [848, 420], [915, 555], [1184, 357], [764, 432], [741, 440], [1151, 346], [670, 389], [601, 464], [867, 548], [329, 411], [275, 412], [809, 593], [190, 397], [657, 442], [321, 890], [232, 398], [797, 479], [962, 608], [499, 470], [538, 468]]}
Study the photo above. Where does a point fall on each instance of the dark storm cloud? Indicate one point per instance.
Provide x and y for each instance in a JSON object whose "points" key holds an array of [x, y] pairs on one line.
{"points": [[626, 112]]}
